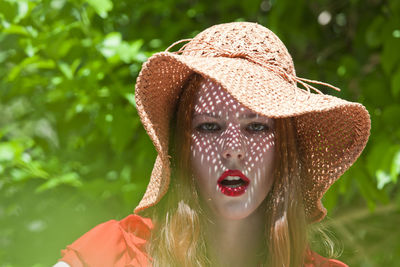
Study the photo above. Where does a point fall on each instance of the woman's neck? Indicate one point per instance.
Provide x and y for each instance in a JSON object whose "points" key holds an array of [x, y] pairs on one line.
{"points": [[236, 242]]}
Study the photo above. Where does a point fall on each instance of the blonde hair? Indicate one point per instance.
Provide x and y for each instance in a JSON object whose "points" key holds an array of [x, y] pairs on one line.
{"points": [[177, 239]]}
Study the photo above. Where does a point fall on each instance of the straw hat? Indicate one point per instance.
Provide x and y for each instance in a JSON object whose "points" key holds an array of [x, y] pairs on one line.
{"points": [[254, 66]]}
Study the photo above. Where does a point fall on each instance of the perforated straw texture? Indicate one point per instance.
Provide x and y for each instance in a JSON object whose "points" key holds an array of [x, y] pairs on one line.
{"points": [[253, 65]]}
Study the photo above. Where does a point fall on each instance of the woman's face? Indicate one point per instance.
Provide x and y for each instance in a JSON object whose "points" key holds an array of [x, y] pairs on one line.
{"points": [[232, 153]]}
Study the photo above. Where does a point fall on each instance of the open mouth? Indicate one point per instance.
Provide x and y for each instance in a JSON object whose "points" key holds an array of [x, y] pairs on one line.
{"points": [[233, 183]]}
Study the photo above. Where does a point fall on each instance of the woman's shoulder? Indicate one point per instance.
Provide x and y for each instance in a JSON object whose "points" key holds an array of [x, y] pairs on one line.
{"points": [[313, 259], [113, 243]]}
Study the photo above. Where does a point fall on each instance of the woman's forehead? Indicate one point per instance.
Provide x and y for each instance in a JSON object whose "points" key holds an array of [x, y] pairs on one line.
{"points": [[211, 98]]}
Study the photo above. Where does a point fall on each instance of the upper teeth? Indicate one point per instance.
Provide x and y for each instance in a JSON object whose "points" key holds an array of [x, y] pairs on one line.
{"points": [[232, 178]]}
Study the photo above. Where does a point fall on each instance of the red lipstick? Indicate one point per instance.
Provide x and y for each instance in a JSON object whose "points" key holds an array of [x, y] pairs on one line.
{"points": [[233, 183]]}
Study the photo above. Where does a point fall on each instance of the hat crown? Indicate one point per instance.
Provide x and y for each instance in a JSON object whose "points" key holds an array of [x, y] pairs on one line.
{"points": [[242, 40]]}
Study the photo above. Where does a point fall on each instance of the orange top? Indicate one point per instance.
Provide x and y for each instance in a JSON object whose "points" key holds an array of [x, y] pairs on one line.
{"points": [[122, 244], [113, 243]]}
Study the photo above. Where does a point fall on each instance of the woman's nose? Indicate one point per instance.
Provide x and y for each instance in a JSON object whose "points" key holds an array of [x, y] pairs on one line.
{"points": [[233, 148], [233, 157], [233, 154]]}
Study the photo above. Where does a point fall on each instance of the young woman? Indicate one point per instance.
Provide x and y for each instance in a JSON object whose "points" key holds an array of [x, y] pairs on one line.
{"points": [[244, 158]]}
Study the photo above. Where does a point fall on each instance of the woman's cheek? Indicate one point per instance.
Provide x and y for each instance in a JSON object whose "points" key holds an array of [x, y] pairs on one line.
{"points": [[205, 162]]}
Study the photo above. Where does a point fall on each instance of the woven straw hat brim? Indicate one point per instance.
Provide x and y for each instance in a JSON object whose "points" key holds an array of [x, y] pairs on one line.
{"points": [[331, 132]]}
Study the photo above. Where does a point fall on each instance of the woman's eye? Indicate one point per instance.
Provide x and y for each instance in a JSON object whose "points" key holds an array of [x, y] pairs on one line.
{"points": [[257, 127], [208, 127]]}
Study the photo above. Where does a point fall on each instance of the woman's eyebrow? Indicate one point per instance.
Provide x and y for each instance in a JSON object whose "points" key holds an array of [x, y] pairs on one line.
{"points": [[214, 115], [248, 116], [206, 114]]}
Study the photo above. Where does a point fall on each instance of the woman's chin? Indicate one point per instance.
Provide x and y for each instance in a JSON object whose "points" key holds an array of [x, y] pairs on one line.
{"points": [[233, 210]]}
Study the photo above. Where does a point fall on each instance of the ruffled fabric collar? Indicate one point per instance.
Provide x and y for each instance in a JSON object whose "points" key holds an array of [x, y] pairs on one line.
{"points": [[113, 243]]}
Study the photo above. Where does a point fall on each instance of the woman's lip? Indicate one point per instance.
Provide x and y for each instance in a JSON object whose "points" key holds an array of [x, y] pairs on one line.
{"points": [[233, 173], [233, 191]]}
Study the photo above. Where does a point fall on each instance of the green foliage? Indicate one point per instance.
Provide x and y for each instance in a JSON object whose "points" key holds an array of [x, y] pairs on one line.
{"points": [[73, 152]]}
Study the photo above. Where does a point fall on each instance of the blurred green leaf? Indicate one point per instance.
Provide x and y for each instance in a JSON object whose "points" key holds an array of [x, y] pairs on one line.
{"points": [[71, 179], [395, 84], [7, 152], [374, 32], [23, 8], [131, 98], [128, 52], [383, 178], [9, 10], [102, 7], [15, 29], [395, 167], [69, 70], [111, 44], [390, 57]]}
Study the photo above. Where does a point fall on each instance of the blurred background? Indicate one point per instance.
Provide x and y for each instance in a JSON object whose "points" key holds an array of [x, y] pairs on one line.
{"points": [[73, 152]]}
